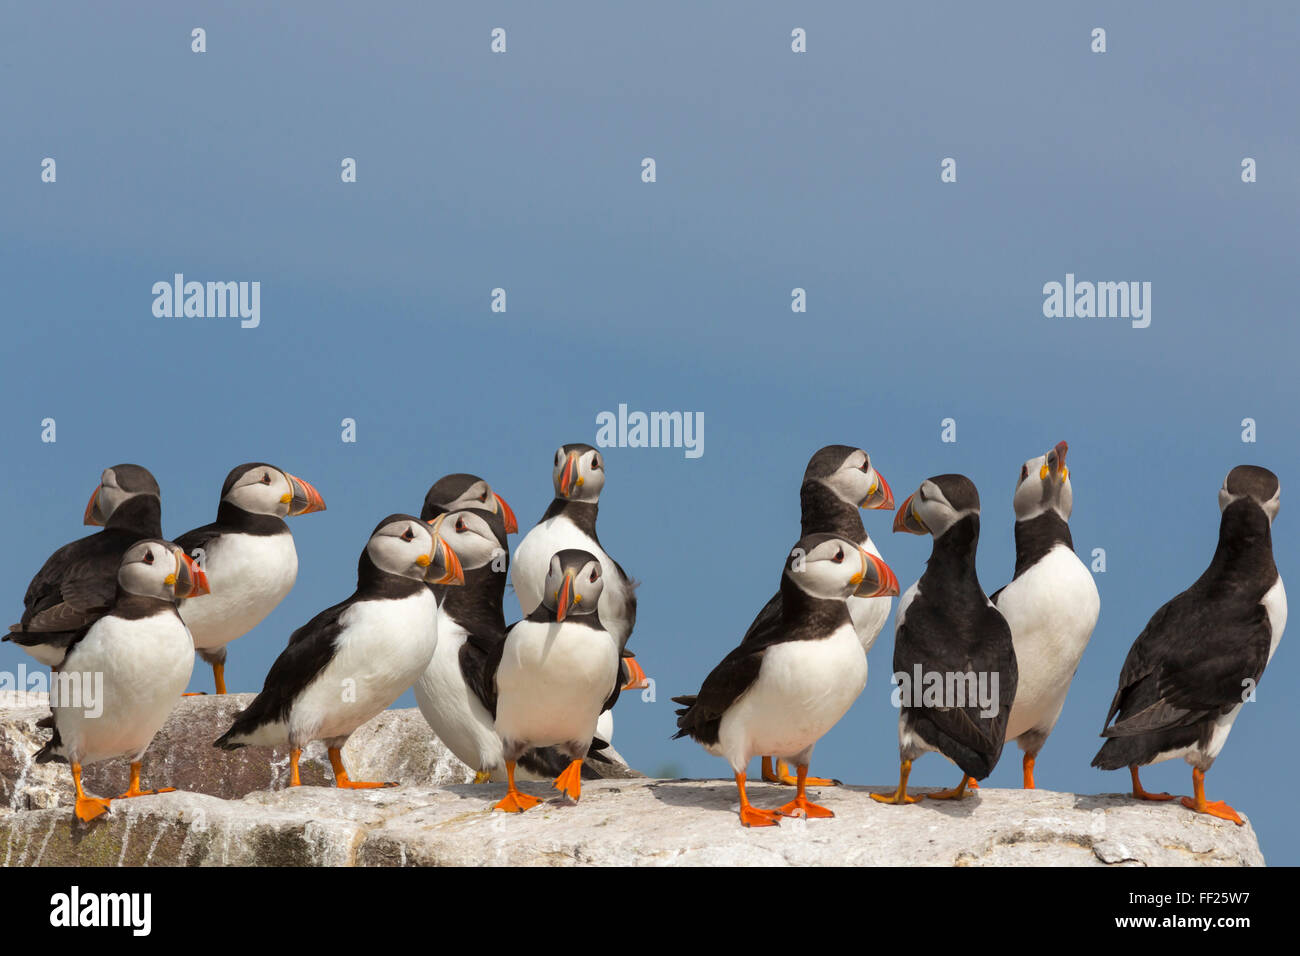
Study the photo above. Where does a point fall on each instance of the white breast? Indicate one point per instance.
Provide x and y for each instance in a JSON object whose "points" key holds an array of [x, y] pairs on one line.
{"points": [[533, 559], [137, 671], [455, 713], [553, 681], [803, 688], [1051, 609], [249, 575], [384, 647]]}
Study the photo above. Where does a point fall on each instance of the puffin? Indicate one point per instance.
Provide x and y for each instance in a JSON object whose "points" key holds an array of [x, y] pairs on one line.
{"points": [[460, 491], [351, 661], [948, 630], [578, 475], [1051, 603], [781, 694], [134, 660], [557, 669], [838, 482], [1201, 655], [249, 556], [77, 584]]}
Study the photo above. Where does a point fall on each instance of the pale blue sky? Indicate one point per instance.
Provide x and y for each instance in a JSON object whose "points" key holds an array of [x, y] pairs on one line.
{"points": [[775, 170]]}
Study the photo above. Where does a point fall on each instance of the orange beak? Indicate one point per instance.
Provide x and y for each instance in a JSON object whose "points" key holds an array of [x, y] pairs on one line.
{"points": [[507, 515], [565, 599], [92, 509], [636, 677], [455, 574], [887, 581], [905, 520], [306, 499], [569, 474], [198, 579], [880, 499]]}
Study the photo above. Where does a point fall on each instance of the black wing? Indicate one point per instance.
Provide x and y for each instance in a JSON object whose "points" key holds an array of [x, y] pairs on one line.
{"points": [[310, 649], [76, 586], [479, 656], [199, 538], [946, 639], [1191, 663]]}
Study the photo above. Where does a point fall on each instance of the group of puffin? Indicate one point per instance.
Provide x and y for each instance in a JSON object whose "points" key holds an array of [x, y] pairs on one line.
{"points": [[535, 698]]}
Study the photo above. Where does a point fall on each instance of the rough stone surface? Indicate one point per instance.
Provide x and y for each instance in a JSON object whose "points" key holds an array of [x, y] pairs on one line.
{"points": [[397, 745], [226, 816]]}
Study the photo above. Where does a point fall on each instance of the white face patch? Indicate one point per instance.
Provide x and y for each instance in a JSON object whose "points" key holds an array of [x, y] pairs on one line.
{"points": [[262, 491], [470, 537], [398, 546]]}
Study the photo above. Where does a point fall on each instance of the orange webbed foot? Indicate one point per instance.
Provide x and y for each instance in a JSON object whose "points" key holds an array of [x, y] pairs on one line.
{"points": [[516, 802], [1215, 808], [364, 784], [137, 792], [569, 782], [801, 807], [88, 808], [956, 793], [753, 817], [896, 798], [1157, 797]]}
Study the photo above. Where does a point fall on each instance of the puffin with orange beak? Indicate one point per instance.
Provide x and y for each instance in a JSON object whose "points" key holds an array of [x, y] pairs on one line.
{"points": [[578, 474], [554, 674], [77, 584], [954, 659], [374, 645], [122, 675], [780, 695], [248, 554], [1051, 603], [838, 484]]}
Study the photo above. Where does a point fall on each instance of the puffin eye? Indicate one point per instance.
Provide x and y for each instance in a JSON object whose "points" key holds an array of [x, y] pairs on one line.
{"points": [[595, 573], [408, 534], [839, 556], [483, 497], [148, 557], [1024, 472], [595, 462], [460, 525], [865, 466], [266, 479]]}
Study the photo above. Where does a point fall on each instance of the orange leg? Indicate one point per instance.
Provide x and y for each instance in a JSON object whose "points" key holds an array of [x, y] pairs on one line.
{"points": [[1028, 765], [133, 789], [799, 806], [219, 675], [956, 793], [1216, 809], [341, 779], [900, 795], [783, 776], [769, 774], [1141, 794], [569, 782], [514, 801], [972, 783], [294, 756], [87, 808], [751, 816]]}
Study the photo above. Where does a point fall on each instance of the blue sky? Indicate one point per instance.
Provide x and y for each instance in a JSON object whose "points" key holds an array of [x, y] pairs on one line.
{"points": [[775, 171]]}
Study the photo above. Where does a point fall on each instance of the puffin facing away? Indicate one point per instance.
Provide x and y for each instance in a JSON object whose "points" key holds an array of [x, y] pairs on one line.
{"points": [[1201, 655], [781, 694], [838, 481], [555, 672], [351, 661], [1051, 604], [78, 582], [248, 555], [950, 644], [124, 672]]}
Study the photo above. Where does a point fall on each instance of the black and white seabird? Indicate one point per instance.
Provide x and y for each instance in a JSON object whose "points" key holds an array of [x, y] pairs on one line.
{"points": [[555, 672], [460, 491], [1201, 655], [950, 643], [374, 646], [838, 482], [248, 555], [77, 584], [122, 674], [779, 694], [1051, 603]]}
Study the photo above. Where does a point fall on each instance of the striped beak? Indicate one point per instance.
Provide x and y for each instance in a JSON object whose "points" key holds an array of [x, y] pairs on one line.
{"points": [[93, 515], [507, 515], [880, 497], [190, 579], [444, 567], [565, 598], [306, 499], [906, 518], [569, 478], [877, 578]]}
